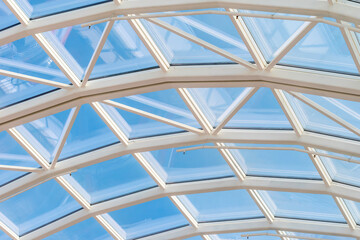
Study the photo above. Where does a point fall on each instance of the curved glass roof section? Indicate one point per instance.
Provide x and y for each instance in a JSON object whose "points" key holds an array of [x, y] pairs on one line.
{"points": [[178, 121]]}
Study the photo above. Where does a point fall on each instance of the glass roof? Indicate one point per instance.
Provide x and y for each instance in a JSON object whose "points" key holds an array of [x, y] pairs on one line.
{"points": [[171, 120]]}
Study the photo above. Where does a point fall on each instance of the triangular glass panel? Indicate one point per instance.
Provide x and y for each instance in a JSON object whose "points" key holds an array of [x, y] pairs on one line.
{"points": [[88, 133], [307, 206], [8, 19], [44, 133], [136, 126], [149, 218], [102, 181], [201, 164], [270, 34], [180, 51], [123, 52], [76, 45], [347, 110], [215, 103], [37, 207], [11, 153], [314, 121], [215, 29], [221, 206], [165, 103], [26, 56], [274, 163], [88, 229], [262, 111], [322, 48]]}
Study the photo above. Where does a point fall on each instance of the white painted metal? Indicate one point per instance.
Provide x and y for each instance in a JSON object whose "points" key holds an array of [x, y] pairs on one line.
{"points": [[352, 43], [231, 161], [281, 236], [261, 204], [176, 201], [320, 167], [105, 224], [345, 212], [17, 11], [19, 168]]}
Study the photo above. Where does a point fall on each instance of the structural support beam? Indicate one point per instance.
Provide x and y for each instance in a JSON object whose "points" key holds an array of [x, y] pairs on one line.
{"points": [[262, 205], [17, 11], [320, 167], [345, 212], [352, 42]]}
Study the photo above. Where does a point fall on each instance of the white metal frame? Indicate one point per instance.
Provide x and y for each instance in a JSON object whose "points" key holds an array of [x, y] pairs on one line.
{"points": [[245, 74]]}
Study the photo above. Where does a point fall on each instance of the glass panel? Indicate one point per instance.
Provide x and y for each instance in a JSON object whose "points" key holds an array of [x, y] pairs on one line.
{"points": [[4, 236], [242, 235], [193, 165], [7, 18], [180, 51], [136, 126], [261, 111], [42, 8], [166, 103], [44, 133], [37, 207], [322, 48], [194, 238], [274, 163], [11, 153], [76, 45], [347, 110], [215, 29], [123, 52], [88, 133], [341, 171], [270, 34], [149, 218], [88, 229], [306, 206], [314, 121], [220, 206], [216, 103], [113, 178], [312, 235], [354, 208]]}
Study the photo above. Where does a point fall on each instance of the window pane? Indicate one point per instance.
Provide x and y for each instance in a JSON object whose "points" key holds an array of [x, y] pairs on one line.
{"points": [[7, 18]]}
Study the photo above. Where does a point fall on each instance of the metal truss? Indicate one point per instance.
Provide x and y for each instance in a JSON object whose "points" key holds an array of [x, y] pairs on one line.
{"points": [[244, 74]]}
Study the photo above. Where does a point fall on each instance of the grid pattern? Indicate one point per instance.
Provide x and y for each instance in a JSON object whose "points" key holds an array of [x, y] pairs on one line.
{"points": [[59, 170]]}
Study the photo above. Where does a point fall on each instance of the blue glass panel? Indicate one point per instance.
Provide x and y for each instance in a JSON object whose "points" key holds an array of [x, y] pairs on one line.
{"points": [[322, 48], [179, 50], [306, 206], [44, 133], [76, 45], [41, 8], [215, 29], [89, 132], [136, 126], [193, 165], [312, 235], [123, 52], [11, 153], [149, 218], [275, 163], [270, 34], [3, 236], [36, 207], [261, 111], [219, 206], [27, 57], [215, 103], [354, 208], [88, 229], [342, 171], [103, 180], [7, 18], [347, 110], [194, 238], [314, 121], [166, 103], [242, 235]]}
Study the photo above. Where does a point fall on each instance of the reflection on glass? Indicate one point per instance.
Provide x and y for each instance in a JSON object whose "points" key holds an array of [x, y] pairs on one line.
{"points": [[148, 218], [193, 165], [306, 206], [220, 206], [113, 178], [37, 207], [88, 229], [7, 18], [41, 8], [275, 163]]}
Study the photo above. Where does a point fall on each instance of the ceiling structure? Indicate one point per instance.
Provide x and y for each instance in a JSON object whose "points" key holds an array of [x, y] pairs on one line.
{"points": [[192, 119]]}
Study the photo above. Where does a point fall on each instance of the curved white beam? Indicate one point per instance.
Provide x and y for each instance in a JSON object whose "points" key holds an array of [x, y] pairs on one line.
{"points": [[290, 79]]}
